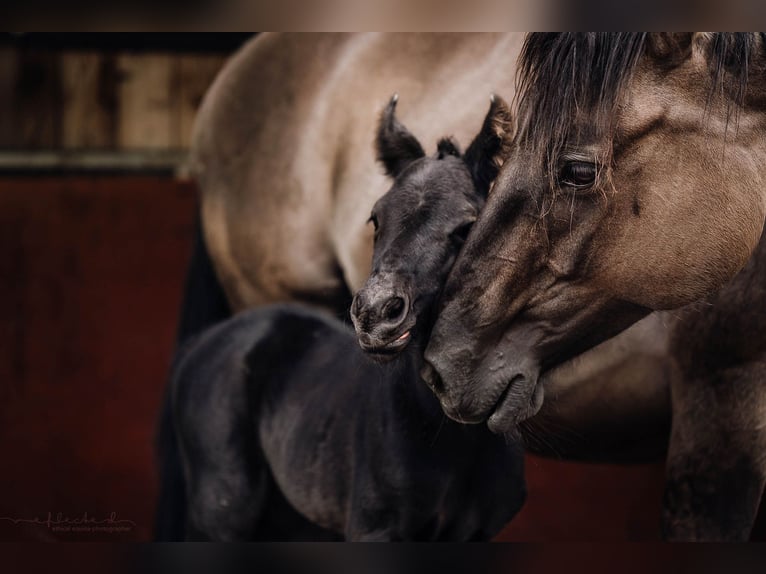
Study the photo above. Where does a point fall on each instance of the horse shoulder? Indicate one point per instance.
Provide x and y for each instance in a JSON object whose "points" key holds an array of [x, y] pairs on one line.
{"points": [[264, 200]]}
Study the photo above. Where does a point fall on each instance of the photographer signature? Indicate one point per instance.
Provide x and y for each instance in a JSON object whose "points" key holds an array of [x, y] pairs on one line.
{"points": [[61, 519]]}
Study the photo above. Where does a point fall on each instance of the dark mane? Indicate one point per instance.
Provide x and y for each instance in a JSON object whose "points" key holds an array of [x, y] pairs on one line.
{"points": [[730, 62], [564, 74]]}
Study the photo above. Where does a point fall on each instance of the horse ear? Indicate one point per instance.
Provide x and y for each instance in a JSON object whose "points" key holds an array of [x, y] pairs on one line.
{"points": [[672, 48], [490, 148], [396, 146]]}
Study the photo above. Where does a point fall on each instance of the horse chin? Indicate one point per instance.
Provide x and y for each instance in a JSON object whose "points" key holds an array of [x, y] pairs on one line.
{"points": [[388, 351], [520, 400]]}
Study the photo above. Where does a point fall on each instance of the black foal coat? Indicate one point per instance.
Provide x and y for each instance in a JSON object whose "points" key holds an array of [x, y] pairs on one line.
{"points": [[288, 431]]}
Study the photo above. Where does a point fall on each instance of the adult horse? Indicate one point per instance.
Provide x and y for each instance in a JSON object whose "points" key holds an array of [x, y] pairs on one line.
{"points": [[637, 184]]}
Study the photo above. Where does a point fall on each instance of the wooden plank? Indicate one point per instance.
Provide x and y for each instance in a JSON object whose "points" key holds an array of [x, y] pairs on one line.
{"points": [[92, 100], [37, 101], [8, 75], [196, 75], [170, 161], [145, 101], [89, 83]]}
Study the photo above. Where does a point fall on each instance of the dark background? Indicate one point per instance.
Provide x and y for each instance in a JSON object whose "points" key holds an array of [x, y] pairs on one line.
{"points": [[96, 224]]}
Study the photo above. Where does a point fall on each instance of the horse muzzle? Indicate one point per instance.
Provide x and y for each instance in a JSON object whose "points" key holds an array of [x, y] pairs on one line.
{"points": [[503, 400], [383, 320]]}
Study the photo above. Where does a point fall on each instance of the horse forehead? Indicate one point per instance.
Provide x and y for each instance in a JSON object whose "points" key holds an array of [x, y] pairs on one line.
{"points": [[649, 102], [434, 185], [680, 95], [419, 192], [523, 170], [446, 168]]}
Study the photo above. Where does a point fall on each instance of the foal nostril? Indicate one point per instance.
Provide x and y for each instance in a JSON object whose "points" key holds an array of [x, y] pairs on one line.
{"points": [[393, 309]]}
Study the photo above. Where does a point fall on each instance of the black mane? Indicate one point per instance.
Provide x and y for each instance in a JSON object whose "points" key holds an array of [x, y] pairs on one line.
{"points": [[563, 74]]}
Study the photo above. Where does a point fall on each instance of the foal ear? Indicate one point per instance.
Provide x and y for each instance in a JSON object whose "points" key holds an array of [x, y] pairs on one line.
{"points": [[446, 147], [396, 146], [491, 147]]}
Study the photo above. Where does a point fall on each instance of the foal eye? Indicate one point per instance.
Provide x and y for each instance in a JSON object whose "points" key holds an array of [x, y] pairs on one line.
{"points": [[578, 174]]}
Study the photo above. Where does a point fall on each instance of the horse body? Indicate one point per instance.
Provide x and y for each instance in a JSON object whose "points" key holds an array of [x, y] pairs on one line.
{"points": [[287, 128], [717, 453], [280, 401], [611, 403], [228, 491]]}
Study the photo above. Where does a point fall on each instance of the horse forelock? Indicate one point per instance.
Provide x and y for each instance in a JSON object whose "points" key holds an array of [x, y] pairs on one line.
{"points": [[731, 61], [564, 76]]}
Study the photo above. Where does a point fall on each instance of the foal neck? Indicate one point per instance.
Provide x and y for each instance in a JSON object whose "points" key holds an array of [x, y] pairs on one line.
{"points": [[409, 388]]}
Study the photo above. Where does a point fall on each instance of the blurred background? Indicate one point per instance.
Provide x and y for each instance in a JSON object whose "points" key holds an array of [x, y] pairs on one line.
{"points": [[96, 221], [96, 224]]}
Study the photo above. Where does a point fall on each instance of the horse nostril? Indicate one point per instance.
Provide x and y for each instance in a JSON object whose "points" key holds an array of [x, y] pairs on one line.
{"points": [[393, 308], [431, 377]]}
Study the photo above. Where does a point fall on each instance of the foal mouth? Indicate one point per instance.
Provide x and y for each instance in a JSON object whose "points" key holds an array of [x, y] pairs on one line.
{"points": [[390, 348]]}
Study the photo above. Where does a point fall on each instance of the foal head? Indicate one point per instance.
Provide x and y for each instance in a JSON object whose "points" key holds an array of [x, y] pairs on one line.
{"points": [[420, 225]]}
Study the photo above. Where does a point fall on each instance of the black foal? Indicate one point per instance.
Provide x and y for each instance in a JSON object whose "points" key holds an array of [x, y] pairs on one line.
{"points": [[287, 430]]}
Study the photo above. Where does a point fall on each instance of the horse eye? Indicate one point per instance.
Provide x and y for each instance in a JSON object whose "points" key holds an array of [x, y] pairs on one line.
{"points": [[578, 174]]}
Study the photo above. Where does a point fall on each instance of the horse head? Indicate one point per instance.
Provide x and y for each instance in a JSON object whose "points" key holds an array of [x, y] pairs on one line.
{"points": [[420, 226], [635, 183]]}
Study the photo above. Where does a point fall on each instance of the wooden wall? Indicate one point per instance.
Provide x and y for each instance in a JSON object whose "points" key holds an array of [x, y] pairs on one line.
{"points": [[92, 269], [89, 99]]}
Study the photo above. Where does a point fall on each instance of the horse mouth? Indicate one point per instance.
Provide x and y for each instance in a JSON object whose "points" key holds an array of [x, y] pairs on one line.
{"points": [[516, 403], [390, 348]]}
